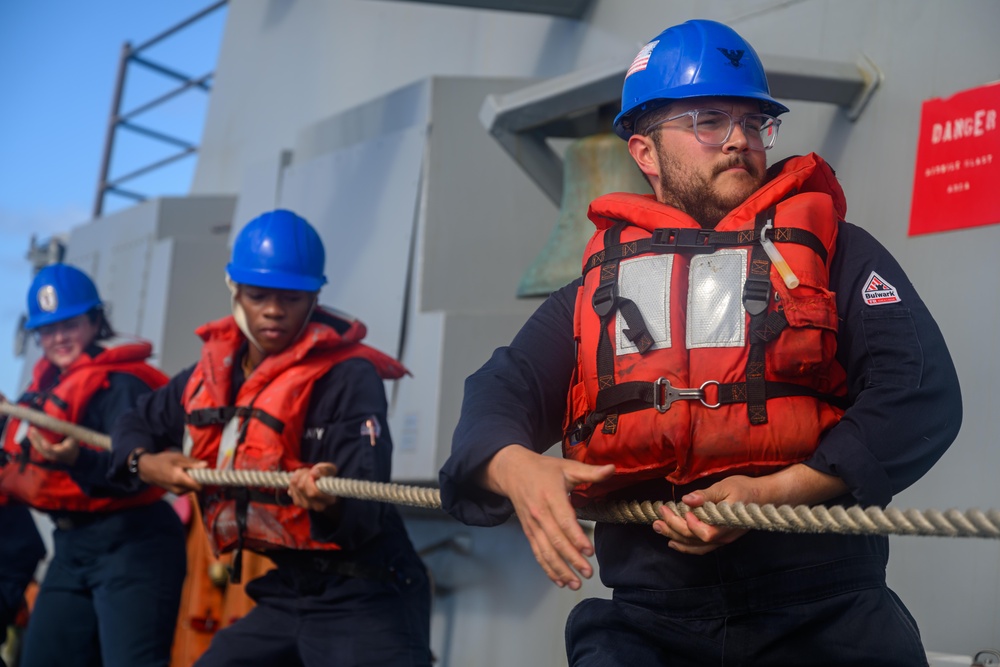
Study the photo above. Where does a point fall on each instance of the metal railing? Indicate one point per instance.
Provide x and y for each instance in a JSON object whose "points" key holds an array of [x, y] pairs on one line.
{"points": [[119, 120]]}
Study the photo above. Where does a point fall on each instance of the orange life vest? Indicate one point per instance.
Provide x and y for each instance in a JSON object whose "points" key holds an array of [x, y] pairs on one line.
{"points": [[209, 602], [261, 429], [667, 306], [47, 486]]}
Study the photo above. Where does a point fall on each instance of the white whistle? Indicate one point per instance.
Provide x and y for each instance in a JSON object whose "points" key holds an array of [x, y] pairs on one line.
{"points": [[785, 271]]}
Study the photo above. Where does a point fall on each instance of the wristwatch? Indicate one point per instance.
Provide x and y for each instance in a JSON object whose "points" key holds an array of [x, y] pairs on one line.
{"points": [[133, 460]]}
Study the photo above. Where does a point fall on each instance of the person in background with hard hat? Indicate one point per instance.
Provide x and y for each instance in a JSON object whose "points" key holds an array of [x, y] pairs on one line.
{"points": [[737, 341], [284, 384], [111, 591]]}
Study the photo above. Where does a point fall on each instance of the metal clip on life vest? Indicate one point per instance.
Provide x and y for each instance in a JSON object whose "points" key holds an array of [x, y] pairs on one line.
{"points": [[664, 394]]}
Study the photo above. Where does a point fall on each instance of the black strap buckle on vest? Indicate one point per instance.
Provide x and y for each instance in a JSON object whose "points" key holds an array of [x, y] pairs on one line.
{"points": [[222, 415], [673, 239], [756, 294], [210, 416], [604, 299]]}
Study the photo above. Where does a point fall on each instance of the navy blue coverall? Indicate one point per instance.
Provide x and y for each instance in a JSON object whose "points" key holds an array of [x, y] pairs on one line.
{"points": [[111, 592], [365, 604], [21, 549], [767, 598]]}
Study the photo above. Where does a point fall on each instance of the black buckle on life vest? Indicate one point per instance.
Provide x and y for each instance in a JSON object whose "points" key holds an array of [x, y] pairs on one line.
{"points": [[672, 239], [604, 299], [756, 293], [210, 416], [580, 433]]}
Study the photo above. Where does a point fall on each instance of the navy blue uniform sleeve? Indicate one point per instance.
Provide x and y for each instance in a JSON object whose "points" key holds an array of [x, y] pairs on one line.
{"points": [[346, 426], [906, 404], [155, 424], [517, 397], [103, 411]]}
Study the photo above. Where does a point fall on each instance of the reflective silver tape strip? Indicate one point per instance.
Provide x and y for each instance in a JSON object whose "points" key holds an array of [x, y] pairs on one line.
{"points": [[227, 444], [715, 313], [646, 281], [22, 431], [187, 444]]}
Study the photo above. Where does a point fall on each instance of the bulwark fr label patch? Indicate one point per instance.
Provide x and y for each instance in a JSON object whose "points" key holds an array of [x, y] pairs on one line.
{"points": [[878, 291]]}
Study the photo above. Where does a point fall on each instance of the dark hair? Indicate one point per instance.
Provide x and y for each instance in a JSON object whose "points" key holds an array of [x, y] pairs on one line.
{"points": [[97, 316], [655, 110]]}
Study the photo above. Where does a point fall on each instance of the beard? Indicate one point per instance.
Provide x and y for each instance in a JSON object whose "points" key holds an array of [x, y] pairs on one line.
{"points": [[701, 197]]}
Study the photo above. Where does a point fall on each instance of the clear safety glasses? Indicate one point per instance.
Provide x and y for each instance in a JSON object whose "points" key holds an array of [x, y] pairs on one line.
{"points": [[66, 327], [713, 127]]}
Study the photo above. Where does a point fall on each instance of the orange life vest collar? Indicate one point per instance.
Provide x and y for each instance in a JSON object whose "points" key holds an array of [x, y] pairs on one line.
{"points": [[794, 175]]}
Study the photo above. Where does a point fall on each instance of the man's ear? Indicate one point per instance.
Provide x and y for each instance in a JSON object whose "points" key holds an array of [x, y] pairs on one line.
{"points": [[643, 151]]}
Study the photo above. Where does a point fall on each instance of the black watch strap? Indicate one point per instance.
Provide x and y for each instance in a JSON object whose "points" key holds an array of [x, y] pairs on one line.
{"points": [[133, 460]]}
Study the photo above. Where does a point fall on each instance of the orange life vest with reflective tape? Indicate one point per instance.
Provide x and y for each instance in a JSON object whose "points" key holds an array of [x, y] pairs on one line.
{"points": [[694, 356], [47, 486], [261, 427]]}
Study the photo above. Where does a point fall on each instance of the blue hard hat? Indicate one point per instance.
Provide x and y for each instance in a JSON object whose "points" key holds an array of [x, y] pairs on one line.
{"points": [[695, 59], [278, 250], [59, 292]]}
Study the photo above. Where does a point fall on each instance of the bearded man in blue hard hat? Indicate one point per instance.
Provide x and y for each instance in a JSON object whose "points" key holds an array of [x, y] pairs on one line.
{"points": [[284, 384], [732, 338]]}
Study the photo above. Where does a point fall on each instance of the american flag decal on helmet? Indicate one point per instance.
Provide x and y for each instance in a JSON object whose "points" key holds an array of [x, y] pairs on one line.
{"points": [[641, 59]]}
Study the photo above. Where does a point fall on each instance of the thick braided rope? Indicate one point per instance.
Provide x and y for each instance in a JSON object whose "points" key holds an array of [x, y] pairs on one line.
{"points": [[783, 518], [55, 425], [854, 520], [398, 494]]}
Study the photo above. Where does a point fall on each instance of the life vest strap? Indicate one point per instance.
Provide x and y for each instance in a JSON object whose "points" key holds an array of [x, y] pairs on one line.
{"points": [[627, 397], [770, 327], [737, 392], [756, 296], [223, 415], [698, 241], [606, 304], [37, 399], [58, 402]]}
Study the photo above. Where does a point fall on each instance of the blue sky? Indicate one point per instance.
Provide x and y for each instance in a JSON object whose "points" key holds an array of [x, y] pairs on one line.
{"points": [[58, 64]]}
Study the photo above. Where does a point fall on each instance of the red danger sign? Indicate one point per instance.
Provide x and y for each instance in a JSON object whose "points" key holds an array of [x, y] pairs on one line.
{"points": [[958, 162]]}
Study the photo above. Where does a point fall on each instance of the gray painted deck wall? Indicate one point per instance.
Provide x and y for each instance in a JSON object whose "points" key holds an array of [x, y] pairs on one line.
{"points": [[289, 66]]}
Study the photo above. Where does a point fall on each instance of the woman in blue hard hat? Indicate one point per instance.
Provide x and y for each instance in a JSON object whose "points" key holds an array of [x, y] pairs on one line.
{"points": [[111, 591], [283, 384]]}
